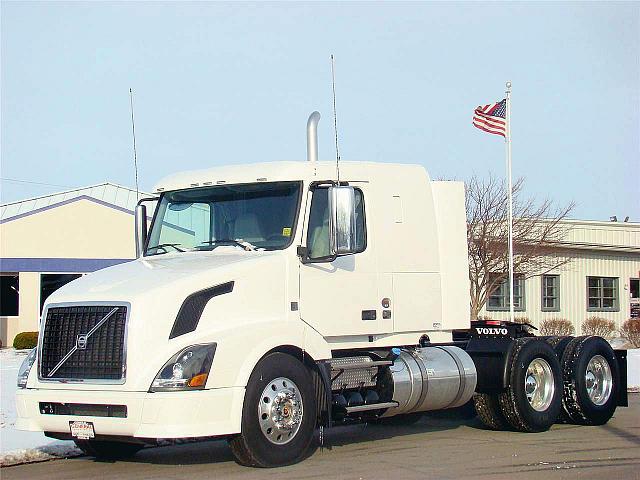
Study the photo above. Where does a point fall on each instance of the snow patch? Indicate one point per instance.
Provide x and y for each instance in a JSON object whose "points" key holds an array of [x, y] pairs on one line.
{"points": [[17, 446], [39, 454], [633, 369]]}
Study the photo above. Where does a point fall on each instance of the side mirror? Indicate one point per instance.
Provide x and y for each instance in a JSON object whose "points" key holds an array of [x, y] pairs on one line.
{"points": [[342, 202], [141, 229]]}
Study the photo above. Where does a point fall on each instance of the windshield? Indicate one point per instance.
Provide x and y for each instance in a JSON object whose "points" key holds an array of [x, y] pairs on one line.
{"points": [[250, 216]]}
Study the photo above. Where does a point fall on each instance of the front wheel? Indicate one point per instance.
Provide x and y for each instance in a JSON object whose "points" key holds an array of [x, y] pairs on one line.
{"points": [[278, 415]]}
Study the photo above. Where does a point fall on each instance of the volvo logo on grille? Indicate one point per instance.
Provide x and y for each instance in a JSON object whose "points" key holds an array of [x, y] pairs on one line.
{"points": [[81, 341]]}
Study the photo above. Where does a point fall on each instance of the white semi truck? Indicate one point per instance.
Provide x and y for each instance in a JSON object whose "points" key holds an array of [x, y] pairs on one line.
{"points": [[272, 299]]}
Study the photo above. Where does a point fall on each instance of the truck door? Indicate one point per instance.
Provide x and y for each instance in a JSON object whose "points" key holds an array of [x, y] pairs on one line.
{"points": [[338, 296]]}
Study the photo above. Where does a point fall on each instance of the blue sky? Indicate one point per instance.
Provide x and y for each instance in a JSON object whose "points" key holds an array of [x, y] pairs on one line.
{"points": [[219, 83]]}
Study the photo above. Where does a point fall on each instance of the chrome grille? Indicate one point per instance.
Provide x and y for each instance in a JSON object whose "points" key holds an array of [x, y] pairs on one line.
{"points": [[99, 356]]}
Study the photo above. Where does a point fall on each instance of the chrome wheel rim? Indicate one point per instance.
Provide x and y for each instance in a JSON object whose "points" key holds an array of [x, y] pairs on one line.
{"points": [[539, 385], [280, 410], [598, 380]]}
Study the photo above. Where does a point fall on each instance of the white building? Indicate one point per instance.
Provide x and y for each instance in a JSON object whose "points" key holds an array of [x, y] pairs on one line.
{"points": [[601, 278], [48, 241]]}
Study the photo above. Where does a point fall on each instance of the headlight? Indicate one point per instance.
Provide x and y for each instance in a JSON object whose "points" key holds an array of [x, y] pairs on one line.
{"points": [[25, 368], [188, 370]]}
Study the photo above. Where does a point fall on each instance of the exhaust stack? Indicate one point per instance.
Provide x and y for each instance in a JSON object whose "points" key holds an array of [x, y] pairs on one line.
{"points": [[312, 137]]}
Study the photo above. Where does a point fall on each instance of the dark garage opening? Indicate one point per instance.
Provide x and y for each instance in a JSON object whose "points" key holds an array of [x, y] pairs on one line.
{"points": [[10, 286], [50, 282]]}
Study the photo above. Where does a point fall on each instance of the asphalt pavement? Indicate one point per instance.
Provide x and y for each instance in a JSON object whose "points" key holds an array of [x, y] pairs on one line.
{"points": [[440, 446]]}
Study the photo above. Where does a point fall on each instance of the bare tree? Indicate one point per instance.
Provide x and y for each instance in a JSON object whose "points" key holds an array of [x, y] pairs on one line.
{"points": [[538, 229]]}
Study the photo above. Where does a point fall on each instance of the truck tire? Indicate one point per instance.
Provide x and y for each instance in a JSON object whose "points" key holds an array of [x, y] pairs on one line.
{"points": [[108, 450], [590, 378], [559, 344], [488, 409], [278, 414], [533, 400]]}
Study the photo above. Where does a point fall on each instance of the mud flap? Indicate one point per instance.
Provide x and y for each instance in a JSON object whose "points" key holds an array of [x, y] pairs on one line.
{"points": [[623, 397]]}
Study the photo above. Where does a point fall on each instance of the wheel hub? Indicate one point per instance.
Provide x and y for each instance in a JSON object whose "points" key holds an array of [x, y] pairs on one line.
{"points": [[598, 380], [539, 384], [280, 411], [530, 384]]}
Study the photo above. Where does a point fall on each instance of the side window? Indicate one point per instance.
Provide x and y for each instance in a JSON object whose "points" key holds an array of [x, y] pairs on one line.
{"points": [[318, 236]]}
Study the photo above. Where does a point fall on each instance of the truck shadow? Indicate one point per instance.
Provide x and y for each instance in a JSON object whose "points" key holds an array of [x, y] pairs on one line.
{"points": [[217, 451], [430, 422]]}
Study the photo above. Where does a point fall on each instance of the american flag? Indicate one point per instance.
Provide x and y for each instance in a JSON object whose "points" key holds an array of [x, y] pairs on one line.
{"points": [[491, 118]]}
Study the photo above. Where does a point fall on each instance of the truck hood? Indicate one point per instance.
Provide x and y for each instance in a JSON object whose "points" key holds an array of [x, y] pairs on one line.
{"points": [[155, 288], [179, 273]]}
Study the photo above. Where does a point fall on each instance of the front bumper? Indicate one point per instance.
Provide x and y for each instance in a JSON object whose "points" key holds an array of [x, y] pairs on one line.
{"points": [[200, 413]]}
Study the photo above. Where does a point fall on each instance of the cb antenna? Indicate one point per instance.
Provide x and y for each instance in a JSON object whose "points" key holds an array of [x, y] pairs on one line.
{"points": [[135, 154], [335, 115]]}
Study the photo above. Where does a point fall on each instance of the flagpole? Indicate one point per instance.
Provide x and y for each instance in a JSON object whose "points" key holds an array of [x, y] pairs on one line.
{"points": [[510, 189]]}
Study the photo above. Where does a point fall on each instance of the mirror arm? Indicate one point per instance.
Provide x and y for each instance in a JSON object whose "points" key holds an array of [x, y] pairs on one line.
{"points": [[303, 254]]}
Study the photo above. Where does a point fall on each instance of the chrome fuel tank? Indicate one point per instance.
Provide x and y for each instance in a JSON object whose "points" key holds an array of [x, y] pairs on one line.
{"points": [[431, 378]]}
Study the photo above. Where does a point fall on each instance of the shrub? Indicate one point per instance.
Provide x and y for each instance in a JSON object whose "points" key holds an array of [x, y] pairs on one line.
{"points": [[521, 320], [25, 340], [630, 331], [556, 326], [484, 317], [598, 326]]}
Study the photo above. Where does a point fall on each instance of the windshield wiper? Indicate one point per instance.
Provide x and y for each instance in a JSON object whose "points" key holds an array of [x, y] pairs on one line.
{"points": [[229, 241], [164, 247]]}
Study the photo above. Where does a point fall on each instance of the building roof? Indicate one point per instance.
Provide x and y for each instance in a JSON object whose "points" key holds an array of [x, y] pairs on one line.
{"points": [[596, 235], [123, 198]]}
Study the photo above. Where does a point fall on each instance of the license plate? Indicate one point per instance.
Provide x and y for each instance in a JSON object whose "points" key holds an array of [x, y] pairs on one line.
{"points": [[82, 430]]}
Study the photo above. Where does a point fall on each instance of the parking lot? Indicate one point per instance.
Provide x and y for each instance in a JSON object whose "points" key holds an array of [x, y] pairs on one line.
{"points": [[438, 446]]}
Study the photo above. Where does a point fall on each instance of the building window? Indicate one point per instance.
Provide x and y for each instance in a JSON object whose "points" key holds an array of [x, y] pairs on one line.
{"points": [[634, 288], [49, 283], [10, 298], [499, 298], [602, 294], [550, 293]]}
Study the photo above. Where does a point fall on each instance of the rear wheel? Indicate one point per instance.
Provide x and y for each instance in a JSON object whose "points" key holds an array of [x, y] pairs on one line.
{"points": [[107, 449], [488, 408], [533, 400], [559, 344], [278, 415], [590, 378]]}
